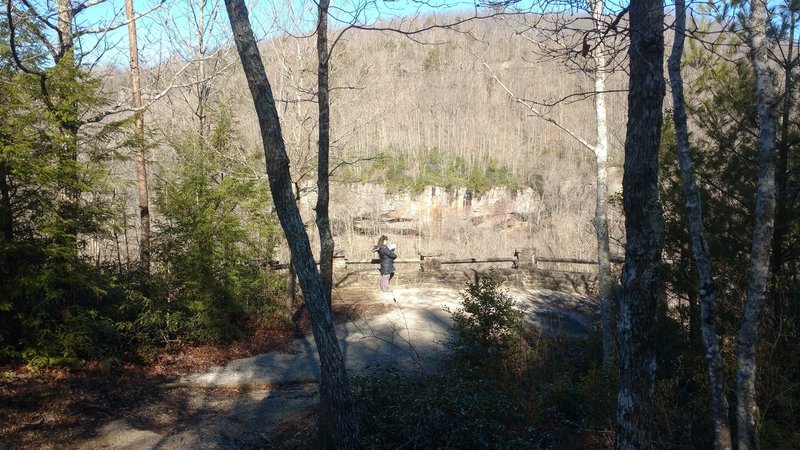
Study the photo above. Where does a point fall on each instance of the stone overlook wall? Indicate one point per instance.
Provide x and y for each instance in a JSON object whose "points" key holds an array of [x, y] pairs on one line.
{"points": [[523, 274]]}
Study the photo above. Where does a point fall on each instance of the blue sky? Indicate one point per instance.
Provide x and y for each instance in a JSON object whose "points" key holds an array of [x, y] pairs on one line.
{"points": [[173, 20], [169, 29], [172, 24]]}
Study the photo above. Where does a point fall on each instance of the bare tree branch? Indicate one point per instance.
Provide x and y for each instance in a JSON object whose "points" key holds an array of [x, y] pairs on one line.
{"points": [[115, 26], [18, 61], [535, 111], [87, 4], [35, 30]]}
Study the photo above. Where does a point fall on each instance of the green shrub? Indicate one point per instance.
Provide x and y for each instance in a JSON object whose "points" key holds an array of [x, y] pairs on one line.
{"points": [[215, 228], [433, 60], [66, 312], [488, 324], [555, 403], [553, 395], [206, 284]]}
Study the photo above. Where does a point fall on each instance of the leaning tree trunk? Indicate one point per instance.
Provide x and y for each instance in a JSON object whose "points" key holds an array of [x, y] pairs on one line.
{"points": [[644, 226], [323, 171], [141, 155], [605, 274], [746, 354], [334, 381], [700, 250]]}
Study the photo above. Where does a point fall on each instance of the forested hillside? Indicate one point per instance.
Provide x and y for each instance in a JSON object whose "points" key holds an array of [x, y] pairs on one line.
{"points": [[424, 109], [136, 215]]}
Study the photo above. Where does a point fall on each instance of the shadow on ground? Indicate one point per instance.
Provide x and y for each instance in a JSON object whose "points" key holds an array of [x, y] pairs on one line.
{"points": [[244, 403]]}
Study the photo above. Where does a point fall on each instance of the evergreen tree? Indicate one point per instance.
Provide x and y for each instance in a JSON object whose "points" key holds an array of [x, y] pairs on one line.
{"points": [[215, 229], [54, 184]]}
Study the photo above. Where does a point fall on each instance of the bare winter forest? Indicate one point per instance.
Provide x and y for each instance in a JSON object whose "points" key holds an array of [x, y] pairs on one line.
{"points": [[157, 159], [405, 104]]}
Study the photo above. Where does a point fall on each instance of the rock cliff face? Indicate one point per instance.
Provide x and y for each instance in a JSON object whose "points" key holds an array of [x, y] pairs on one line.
{"points": [[368, 209], [454, 223]]}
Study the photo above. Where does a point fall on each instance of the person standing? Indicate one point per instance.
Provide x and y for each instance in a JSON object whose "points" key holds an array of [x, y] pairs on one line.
{"points": [[386, 256]]}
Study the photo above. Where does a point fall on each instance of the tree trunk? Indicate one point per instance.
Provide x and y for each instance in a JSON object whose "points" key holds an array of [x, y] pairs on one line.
{"points": [[644, 226], [141, 155], [6, 215], [781, 173], [66, 111], [746, 354], [291, 294], [335, 385], [203, 88], [8, 271], [700, 250], [323, 171], [605, 274], [65, 35]]}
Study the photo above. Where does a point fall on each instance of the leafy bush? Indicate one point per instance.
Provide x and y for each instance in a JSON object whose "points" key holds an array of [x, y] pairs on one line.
{"points": [[567, 384], [559, 401], [488, 324], [56, 200], [64, 313], [207, 284], [539, 398], [433, 60]]}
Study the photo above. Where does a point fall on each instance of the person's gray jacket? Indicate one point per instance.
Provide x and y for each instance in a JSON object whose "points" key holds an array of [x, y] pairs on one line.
{"points": [[387, 257]]}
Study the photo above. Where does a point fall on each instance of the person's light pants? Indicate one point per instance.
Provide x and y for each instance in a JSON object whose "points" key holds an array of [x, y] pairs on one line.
{"points": [[385, 281]]}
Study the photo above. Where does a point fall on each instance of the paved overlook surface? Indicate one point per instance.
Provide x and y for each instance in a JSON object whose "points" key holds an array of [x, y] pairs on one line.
{"points": [[239, 404]]}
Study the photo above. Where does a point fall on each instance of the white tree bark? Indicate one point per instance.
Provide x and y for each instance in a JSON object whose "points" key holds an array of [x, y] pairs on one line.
{"points": [[746, 354], [65, 34], [605, 274], [607, 283], [700, 250]]}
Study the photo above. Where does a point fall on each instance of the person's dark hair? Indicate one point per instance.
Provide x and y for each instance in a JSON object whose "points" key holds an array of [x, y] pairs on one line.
{"points": [[382, 240]]}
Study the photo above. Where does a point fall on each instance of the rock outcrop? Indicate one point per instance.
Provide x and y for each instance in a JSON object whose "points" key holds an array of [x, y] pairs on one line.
{"points": [[363, 208]]}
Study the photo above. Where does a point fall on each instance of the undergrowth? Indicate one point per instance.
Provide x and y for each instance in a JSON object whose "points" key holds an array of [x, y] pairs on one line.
{"points": [[505, 388]]}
